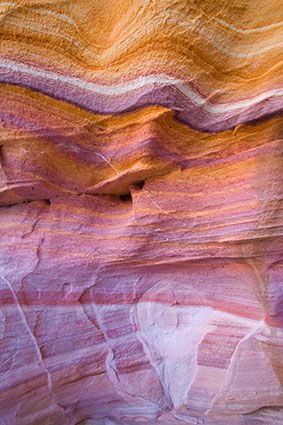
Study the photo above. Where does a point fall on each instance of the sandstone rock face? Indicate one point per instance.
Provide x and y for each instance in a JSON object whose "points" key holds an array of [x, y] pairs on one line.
{"points": [[141, 215]]}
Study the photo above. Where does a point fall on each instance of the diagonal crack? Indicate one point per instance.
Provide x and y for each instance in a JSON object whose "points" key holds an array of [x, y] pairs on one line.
{"points": [[37, 348]]}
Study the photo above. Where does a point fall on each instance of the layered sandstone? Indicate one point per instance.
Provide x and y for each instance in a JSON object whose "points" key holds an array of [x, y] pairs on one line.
{"points": [[141, 213]]}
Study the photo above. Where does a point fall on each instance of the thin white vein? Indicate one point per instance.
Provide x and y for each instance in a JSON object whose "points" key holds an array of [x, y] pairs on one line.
{"points": [[7, 4], [61, 16], [136, 84], [249, 30], [211, 37], [149, 27]]}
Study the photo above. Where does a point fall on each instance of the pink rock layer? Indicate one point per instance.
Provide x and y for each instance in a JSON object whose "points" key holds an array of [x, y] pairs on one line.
{"points": [[141, 213], [159, 307]]}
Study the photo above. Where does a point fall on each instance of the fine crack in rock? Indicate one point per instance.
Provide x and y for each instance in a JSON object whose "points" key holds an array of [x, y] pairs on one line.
{"points": [[141, 213]]}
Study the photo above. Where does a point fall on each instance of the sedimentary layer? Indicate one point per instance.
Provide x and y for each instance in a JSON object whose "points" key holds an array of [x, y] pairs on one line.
{"points": [[141, 213]]}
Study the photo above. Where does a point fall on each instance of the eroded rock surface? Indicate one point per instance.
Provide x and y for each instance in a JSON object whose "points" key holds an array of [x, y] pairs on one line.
{"points": [[141, 213]]}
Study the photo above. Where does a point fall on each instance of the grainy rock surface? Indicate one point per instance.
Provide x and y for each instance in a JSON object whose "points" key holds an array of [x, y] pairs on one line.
{"points": [[141, 215]]}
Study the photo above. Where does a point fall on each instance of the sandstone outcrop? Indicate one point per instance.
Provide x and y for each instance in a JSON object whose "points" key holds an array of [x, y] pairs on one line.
{"points": [[141, 213]]}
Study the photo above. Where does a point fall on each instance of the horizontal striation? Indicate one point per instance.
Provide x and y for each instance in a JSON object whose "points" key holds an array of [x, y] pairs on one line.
{"points": [[141, 213], [215, 66]]}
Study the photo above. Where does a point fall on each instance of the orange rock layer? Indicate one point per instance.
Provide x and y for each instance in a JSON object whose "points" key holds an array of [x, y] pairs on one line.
{"points": [[141, 213]]}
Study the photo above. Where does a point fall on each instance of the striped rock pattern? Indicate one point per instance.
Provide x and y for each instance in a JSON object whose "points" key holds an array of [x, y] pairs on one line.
{"points": [[141, 215]]}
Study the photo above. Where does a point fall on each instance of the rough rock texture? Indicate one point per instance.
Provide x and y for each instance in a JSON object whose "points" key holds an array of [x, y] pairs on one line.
{"points": [[141, 188]]}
